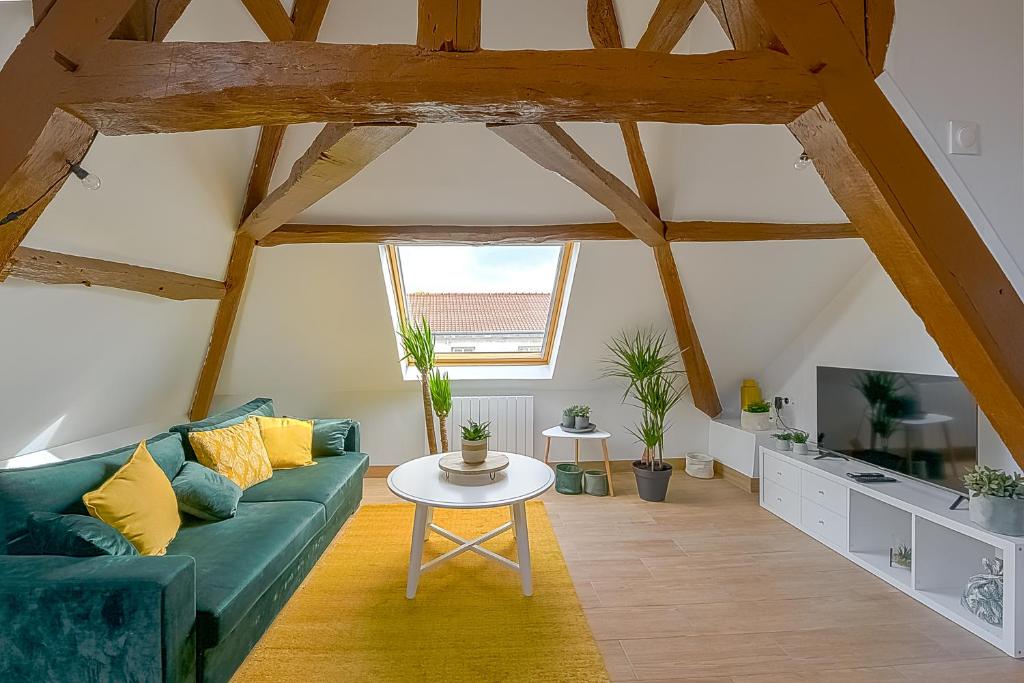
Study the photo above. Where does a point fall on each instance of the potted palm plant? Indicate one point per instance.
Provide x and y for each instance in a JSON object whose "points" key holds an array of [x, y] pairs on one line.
{"points": [[441, 397], [418, 343], [474, 442], [652, 375]]}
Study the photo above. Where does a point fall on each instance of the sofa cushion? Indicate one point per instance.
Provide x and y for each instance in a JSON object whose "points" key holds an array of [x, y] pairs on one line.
{"points": [[205, 494], [257, 406], [237, 452], [330, 436], [324, 484], [75, 536], [59, 487], [238, 559], [289, 442]]}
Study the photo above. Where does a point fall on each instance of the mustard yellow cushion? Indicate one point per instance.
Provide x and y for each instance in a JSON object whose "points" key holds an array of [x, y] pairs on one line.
{"points": [[139, 502], [289, 441], [237, 452]]}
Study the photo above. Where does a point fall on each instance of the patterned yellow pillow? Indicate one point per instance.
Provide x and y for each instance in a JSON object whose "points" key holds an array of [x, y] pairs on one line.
{"points": [[237, 452], [289, 442]]}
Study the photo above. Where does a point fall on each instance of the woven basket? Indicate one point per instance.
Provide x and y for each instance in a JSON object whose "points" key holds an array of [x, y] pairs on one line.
{"points": [[700, 465]]}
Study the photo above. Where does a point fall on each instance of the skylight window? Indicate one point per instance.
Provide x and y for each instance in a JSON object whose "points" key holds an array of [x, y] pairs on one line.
{"points": [[495, 305]]}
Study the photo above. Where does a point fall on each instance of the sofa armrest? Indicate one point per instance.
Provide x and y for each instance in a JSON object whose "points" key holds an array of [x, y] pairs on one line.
{"points": [[352, 438], [97, 618]]}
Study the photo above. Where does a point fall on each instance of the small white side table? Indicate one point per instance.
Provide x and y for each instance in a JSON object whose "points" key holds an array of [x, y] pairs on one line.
{"points": [[421, 481], [557, 432]]}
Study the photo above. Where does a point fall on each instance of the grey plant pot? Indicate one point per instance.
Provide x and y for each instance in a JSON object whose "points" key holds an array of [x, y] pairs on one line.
{"points": [[595, 483], [652, 485], [582, 422], [1001, 515], [568, 421]]}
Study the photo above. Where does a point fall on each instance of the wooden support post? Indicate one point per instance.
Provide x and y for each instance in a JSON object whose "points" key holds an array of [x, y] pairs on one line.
{"points": [[271, 18], [449, 25], [668, 24]]}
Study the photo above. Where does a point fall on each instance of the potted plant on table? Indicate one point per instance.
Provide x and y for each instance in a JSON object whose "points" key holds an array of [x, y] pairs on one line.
{"points": [[441, 397], [997, 500], [582, 417], [652, 375], [474, 442], [756, 417], [569, 418], [799, 442], [418, 343], [783, 441]]}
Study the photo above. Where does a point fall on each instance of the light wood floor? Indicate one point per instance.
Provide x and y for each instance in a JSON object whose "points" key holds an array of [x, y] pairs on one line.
{"points": [[709, 587]]}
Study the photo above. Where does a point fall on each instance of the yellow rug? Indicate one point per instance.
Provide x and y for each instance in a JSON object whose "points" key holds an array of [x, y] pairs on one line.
{"points": [[350, 621]]}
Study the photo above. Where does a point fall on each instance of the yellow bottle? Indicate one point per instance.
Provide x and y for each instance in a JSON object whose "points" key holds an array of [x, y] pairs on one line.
{"points": [[750, 392]]}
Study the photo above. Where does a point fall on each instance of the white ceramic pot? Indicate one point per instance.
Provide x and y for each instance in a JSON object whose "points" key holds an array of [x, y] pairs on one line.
{"points": [[474, 452], [783, 444], [800, 448], [755, 422], [1001, 515]]}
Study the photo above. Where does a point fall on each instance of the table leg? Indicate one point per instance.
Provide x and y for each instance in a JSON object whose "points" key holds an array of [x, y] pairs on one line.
{"points": [[607, 466], [419, 529], [430, 520], [547, 450], [512, 518], [523, 548], [577, 452]]}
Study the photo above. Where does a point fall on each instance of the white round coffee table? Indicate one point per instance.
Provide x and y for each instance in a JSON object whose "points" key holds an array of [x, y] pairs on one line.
{"points": [[422, 482], [557, 432]]}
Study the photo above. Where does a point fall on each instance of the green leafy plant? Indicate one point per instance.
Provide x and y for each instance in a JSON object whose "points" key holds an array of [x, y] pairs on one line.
{"points": [[570, 411], [418, 343], [475, 431], [783, 436], [758, 407], [441, 397], [886, 403], [902, 556], [582, 411], [651, 371], [987, 481], [799, 437]]}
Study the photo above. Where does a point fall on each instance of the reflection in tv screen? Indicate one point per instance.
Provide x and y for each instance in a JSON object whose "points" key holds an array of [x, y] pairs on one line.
{"points": [[923, 426]]}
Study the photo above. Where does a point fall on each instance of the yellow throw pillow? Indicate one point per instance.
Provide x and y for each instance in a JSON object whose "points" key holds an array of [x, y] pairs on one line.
{"points": [[289, 442], [139, 502], [237, 452]]}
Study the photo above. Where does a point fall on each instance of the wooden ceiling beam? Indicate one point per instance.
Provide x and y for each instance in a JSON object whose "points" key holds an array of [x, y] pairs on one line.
{"points": [[270, 16], [554, 149], [911, 221], [52, 268], [308, 17], [337, 154], [150, 20], [678, 231], [133, 87], [449, 25], [668, 24]]}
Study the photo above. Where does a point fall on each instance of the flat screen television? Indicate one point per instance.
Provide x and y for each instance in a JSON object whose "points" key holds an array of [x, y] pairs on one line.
{"points": [[922, 426]]}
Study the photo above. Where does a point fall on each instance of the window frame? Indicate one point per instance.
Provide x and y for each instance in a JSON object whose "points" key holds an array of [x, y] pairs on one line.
{"points": [[543, 357]]}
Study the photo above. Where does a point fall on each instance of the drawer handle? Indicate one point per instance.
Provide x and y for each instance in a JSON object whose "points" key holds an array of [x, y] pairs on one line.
{"points": [[821, 521], [821, 492], [779, 473], [778, 499]]}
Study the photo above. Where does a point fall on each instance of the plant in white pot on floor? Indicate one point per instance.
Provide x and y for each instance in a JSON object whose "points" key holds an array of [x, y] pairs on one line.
{"points": [[655, 384], [756, 417], [997, 500], [799, 442], [474, 442]]}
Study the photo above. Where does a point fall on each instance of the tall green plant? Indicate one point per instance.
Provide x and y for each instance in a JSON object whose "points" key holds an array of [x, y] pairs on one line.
{"points": [[441, 395], [418, 343], [651, 371]]}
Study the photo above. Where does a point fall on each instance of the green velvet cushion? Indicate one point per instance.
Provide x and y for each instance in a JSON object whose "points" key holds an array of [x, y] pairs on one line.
{"points": [[205, 494], [238, 559], [329, 437], [324, 483], [257, 406], [59, 487], [75, 536]]}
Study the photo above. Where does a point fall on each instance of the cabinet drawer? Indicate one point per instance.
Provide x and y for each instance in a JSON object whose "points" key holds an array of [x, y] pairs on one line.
{"points": [[783, 473], [823, 523], [783, 502], [824, 492]]}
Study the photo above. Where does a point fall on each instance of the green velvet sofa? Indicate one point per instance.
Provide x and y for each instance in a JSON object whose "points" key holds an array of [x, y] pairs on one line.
{"points": [[193, 614]]}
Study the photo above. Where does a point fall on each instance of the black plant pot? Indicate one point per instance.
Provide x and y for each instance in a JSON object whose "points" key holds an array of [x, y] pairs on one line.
{"points": [[652, 485]]}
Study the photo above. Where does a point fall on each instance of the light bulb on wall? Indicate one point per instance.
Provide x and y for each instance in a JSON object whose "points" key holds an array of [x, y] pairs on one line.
{"points": [[802, 162], [89, 181]]}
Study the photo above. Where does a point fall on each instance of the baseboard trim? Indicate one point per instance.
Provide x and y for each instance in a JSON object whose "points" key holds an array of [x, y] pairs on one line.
{"points": [[737, 479]]}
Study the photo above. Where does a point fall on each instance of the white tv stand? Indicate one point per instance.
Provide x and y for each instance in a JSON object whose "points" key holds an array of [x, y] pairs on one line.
{"points": [[862, 521]]}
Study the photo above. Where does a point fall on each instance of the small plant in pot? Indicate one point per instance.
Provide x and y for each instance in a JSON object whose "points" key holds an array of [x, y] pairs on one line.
{"points": [[799, 442], [756, 417], [474, 442], [783, 441], [653, 384], [997, 500], [569, 418], [582, 420]]}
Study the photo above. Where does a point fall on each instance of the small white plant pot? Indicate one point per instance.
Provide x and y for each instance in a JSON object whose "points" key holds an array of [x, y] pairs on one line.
{"points": [[783, 444], [755, 422], [1001, 515], [800, 448], [474, 452]]}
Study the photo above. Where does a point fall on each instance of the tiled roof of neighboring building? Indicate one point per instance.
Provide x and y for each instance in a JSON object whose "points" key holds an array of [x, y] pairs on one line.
{"points": [[453, 312]]}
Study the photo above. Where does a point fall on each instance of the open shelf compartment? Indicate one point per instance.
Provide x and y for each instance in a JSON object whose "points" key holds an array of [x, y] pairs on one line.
{"points": [[875, 527]]}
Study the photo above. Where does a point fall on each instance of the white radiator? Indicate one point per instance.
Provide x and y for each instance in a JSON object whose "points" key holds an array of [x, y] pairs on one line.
{"points": [[511, 419]]}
